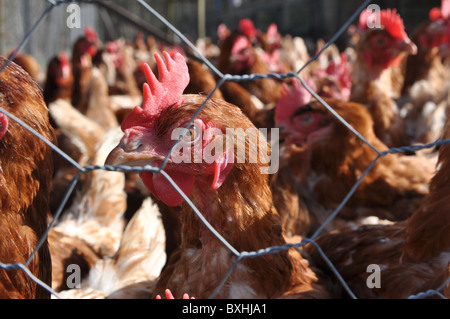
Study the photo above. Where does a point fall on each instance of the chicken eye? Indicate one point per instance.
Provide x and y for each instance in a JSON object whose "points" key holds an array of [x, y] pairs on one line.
{"points": [[380, 41], [191, 134], [305, 119]]}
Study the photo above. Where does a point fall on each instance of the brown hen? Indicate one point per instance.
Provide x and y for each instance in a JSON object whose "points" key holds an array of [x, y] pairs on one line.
{"points": [[231, 191], [25, 181], [333, 159], [409, 257], [379, 51]]}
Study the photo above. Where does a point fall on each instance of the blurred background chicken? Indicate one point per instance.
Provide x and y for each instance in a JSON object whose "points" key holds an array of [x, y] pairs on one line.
{"points": [[413, 255], [377, 78], [332, 157], [425, 97], [239, 56], [30, 65]]}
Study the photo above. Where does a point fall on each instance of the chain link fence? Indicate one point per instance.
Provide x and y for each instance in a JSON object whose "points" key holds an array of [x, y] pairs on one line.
{"points": [[55, 5]]}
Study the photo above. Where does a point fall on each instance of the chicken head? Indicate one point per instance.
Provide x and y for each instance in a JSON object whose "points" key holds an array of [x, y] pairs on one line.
{"points": [[163, 125], [385, 44], [294, 115]]}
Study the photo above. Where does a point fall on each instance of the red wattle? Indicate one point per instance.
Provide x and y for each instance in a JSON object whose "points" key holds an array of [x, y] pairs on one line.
{"points": [[164, 191]]}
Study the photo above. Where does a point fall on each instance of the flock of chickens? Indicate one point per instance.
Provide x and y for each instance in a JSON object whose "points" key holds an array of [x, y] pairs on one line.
{"points": [[112, 234]]}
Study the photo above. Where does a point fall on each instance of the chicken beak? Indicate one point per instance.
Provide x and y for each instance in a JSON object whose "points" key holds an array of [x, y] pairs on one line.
{"points": [[408, 46], [118, 156]]}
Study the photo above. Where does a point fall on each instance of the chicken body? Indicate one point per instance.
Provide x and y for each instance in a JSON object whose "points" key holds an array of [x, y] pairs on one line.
{"points": [[425, 90], [201, 261], [30, 65], [203, 80], [84, 49], [93, 233], [26, 172], [78, 136], [411, 256]]}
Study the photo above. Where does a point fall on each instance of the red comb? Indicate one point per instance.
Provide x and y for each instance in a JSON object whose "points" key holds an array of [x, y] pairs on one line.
{"points": [[90, 34], [272, 30], [393, 23], [247, 27], [440, 13], [341, 70], [390, 20], [292, 99], [363, 19], [64, 64], [159, 94], [222, 31], [240, 44], [63, 58]]}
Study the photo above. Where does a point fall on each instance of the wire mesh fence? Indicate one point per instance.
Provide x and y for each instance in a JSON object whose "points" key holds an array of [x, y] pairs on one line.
{"points": [[239, 255]]}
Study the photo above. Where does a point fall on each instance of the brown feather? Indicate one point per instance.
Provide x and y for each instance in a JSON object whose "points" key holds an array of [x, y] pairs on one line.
{"points": [[27, 169]]}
